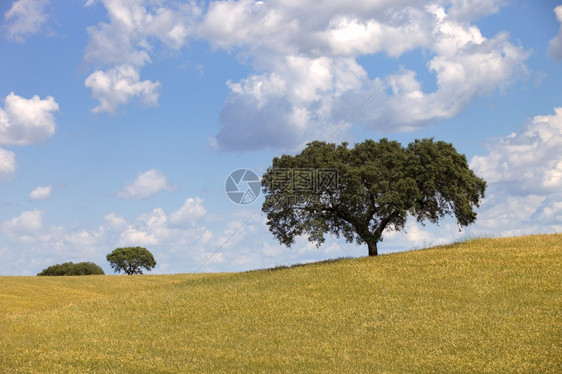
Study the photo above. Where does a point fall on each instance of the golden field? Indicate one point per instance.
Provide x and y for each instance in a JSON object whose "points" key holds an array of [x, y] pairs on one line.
{"points": [[484, 305]]}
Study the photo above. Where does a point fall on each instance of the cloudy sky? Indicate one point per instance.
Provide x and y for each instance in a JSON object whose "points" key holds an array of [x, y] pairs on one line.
{"points": [[121, 120]]}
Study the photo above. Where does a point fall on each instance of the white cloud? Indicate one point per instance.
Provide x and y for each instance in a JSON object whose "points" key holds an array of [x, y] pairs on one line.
{"points": [[27, 121], [147, 184], [41, 193], [123, 45], [25, 17], [157, 229], [83, 238], [467, 10], [280, 108], [24, 227], [530, 160], [555, 45], [132, 23], [191, 212], [175, 246], [307, 79], [311, 27], [462, 76], [310, 80], [114, 222], [235, 231], [23, 122], [508, 214], [148, 232], [551, 211], [118, 86], [524, 172], [7, 164]]}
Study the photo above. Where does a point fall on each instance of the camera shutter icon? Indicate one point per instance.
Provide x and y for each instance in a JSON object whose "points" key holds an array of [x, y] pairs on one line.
{"points": [[243, 186]]}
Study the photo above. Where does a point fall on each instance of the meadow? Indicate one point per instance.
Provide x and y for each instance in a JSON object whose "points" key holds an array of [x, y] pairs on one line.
{"points": [[484, 305]]}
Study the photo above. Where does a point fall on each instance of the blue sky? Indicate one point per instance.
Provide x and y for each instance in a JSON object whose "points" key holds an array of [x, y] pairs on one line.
{"points": [[121, 120]]}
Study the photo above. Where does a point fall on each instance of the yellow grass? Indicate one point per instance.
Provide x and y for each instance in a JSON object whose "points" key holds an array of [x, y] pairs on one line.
{"points": [[487, 305]]}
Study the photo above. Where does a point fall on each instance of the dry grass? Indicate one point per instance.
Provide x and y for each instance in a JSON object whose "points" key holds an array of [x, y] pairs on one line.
{"points": [[487, 305]]}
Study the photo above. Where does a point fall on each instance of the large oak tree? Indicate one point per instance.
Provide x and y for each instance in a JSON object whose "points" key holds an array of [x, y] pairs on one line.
{"points": [[360, 192], [131, 260]]}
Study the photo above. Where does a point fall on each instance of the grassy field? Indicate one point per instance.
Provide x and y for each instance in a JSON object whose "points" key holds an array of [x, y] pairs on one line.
{"points": [[487, 305]]}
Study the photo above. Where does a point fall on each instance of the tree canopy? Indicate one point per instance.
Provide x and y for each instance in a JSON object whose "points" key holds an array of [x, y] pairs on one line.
{"points": [[131, 260], [360, 192], [69, 268]]}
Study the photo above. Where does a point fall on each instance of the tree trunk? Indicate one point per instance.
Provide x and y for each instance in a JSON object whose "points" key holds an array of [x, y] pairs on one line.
{"points": [[370, 238], [372, 245]]}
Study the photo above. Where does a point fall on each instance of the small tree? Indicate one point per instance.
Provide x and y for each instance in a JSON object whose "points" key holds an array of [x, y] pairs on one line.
{"points": [[69, 268], [131, 260], [360, 192]]}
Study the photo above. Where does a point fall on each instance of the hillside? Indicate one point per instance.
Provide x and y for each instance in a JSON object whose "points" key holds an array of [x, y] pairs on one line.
{"points": [[487, 305]]}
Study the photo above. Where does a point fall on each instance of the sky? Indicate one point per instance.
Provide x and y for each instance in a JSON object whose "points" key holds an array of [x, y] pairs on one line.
{"points": [[121, 121]]}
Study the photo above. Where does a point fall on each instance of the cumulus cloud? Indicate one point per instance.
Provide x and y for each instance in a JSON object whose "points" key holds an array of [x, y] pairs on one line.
{"points": [[147, 184], [115, 222], [473, 9], [24, 18], [524, 171], [510, 215], [156, 228], [83, 238], [530, 160], [132, 23], [41, 193], [118, 86], [7, 164], [124, 43], [555, 45], [27, 121], [150, 230], [190, 212], [23, 122], [461, 77], [311, 82], [24, 227], [307, 79], [179, 240]]}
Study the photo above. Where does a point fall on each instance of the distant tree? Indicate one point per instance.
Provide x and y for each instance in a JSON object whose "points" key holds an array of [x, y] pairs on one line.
{"points": [[69, 268], [360, 192], [131, 260]]}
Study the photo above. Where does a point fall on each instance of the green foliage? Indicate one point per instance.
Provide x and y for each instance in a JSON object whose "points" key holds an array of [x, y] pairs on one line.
{"points": [[378, 185], [69, 268], [131, 260]]}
